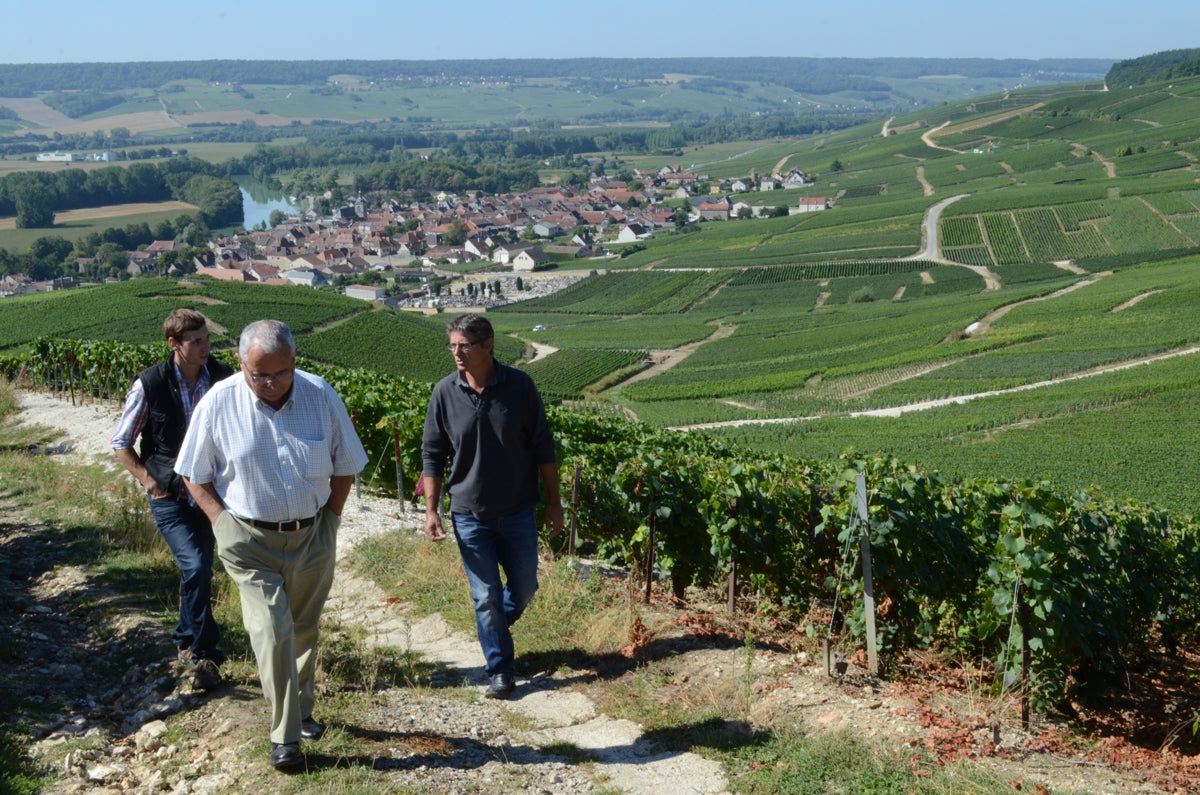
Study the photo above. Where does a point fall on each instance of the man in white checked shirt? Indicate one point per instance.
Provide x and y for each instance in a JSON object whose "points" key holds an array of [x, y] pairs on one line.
{"points": [[270, 458]]}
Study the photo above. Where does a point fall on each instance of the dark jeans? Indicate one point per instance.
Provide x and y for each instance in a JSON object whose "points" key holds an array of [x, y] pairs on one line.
{"points": [[187, 532], [509, 543]]}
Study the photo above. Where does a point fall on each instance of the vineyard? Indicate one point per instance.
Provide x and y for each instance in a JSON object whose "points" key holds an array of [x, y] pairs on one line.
{"points": [[399, 344], [1079, 231], [1049, 591], [133, 311], [567, 375]]}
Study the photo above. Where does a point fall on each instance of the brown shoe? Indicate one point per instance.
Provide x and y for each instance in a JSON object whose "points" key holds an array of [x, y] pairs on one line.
{"points": [[207, 675]]}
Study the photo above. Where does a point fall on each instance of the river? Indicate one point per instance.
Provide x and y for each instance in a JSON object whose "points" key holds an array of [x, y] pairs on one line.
{"points": [[259, 201]]}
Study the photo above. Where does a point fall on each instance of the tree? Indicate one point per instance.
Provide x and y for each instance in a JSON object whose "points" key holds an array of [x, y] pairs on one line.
{"points": [[276, 218], [163, 230], [35, 208], [456, 235], [52, 250], [113, 257]]}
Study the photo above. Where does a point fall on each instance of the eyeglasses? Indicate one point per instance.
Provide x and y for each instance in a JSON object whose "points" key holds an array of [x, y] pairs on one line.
{"points": [[261, 379], [462, 347]]}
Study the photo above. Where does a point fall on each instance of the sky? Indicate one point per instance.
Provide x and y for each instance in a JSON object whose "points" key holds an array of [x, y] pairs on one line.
{"points": [[141, 30]]}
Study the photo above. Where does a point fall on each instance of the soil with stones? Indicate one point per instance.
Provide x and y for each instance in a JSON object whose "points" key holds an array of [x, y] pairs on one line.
{"points": [[126, 718]]}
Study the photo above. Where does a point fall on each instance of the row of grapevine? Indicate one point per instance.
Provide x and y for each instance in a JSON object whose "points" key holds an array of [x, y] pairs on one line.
{"points": [[1071, 216], [1170, 203], [1133, 227], [824, 270], [1004, 239], [961, 230], [567, 375], [970, 255], [1097, 583]]}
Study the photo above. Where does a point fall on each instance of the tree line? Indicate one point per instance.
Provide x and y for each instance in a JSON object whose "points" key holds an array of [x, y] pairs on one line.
{"points": [[809, 75], [1154, 68], [34, 196]]}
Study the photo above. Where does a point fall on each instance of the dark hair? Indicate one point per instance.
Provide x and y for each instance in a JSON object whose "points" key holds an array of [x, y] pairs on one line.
{"points": [[273, 336], [474, 327], [181, 321]]}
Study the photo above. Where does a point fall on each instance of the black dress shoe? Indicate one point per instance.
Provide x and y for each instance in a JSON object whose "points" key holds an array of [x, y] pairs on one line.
{"points": [[310, 729], [501, 687], [286, 756]]}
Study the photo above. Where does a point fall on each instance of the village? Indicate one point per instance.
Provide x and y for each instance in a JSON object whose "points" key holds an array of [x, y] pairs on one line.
{"points": [[411, 256]]}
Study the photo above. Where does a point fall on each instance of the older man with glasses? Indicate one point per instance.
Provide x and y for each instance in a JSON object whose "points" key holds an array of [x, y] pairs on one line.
{"points": [[270, 459], [487, 423]]}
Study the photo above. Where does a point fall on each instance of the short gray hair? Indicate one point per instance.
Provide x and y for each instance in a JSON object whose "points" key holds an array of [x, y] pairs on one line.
{"points": [[273, 336]]}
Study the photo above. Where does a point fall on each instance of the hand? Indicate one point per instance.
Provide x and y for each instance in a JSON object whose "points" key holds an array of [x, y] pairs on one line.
{"points": [[554, 517], [433, 527]]}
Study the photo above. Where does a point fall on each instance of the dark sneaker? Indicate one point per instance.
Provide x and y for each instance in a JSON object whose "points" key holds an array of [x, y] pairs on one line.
{"points": [[286, 756], [500, 687], [207, 675], [310, 729]]}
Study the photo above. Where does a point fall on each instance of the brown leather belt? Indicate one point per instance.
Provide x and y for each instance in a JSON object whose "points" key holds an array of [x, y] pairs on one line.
{"points": [[290, 526]]}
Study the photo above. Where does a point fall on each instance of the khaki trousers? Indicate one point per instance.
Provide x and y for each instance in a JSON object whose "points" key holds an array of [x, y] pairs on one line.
{"points": [[283, 580]]}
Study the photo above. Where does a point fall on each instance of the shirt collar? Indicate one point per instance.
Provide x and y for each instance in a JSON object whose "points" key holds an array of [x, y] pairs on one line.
{"points": [[496, 378], [201, 377]]}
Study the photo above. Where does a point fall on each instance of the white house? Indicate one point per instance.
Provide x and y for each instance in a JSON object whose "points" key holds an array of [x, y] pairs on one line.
{"points": [[505, 253], [305, 276], [631, 233], [529, 259], [366, 292]]}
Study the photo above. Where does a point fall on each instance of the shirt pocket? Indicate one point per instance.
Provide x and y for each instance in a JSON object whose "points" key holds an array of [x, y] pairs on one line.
{"points": [[312, 458]]}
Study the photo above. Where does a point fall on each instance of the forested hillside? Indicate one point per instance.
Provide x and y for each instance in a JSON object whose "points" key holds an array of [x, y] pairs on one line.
{"points": [[1159, 66]]}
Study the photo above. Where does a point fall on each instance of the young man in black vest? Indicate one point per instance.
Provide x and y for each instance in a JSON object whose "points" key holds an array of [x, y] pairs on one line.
{"points": [[157, 409]]}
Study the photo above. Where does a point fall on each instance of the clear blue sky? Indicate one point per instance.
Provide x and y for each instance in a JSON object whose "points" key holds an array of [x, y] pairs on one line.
{"points": [[167, 30]]}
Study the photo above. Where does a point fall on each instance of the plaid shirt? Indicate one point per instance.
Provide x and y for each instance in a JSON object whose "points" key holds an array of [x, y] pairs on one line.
{"points": [[133, 416]]}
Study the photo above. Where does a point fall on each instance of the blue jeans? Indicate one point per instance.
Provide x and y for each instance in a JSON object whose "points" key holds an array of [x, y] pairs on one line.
{"points": [[188, 533], [509, 543]]}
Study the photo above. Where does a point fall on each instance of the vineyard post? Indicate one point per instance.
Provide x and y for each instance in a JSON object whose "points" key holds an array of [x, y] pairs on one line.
{"points": [[357, 479], [731, 598], [864, 545], [650, 559], [71, 380], [574, 511], [1023, 618], [399, 467]]}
